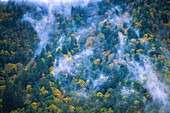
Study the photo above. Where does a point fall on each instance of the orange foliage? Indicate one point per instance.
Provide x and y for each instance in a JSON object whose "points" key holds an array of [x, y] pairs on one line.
{"points": [[106, 95], [108, 27]]}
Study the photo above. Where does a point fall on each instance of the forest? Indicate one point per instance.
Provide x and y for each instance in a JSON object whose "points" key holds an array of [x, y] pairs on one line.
{"points": [[89, 56]]}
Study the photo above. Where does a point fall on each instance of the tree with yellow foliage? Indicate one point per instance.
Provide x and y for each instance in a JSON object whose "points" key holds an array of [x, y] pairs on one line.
{"points": [[58, 94]]}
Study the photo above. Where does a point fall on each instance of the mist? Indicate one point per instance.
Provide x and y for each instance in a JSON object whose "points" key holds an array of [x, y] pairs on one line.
{"points": [[71, 64], [45, 25], [143, 72]]}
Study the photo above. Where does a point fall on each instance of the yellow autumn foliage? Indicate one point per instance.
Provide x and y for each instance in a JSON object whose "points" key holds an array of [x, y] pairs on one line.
{"points": [[9, 67], [99, 94], [69, 54], [138, 24], [58, 94], [136, 102], [49, 55], [71, 108], [73, 35], [67, 99], [51, 84], [43, 60], [89, 42], [58, 100], [52, 72], [168, 64], [28, 65], [51, 68], [2, 87], [97, 61], [143, 40], [100, 35], [52, 107], [153, 45], [29, 87], [138, 111], [81, 82], [139, 50], [43, 91], [34, 105], [106, 53]]}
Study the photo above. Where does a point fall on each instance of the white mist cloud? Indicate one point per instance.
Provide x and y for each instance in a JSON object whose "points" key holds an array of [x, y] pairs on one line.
{"points": [[61, 6], [43, 27], [71, 64], [117, 20], [137, 33], [100, 81], [127, 91], [122, 42], [145, 75], [56, 2]]}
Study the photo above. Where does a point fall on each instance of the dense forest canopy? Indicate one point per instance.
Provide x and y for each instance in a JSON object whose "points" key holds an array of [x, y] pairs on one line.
{"points": [[84, 56]]}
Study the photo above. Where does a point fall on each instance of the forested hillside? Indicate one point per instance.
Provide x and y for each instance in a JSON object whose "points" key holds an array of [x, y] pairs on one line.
{"points": [[107, 56]]}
